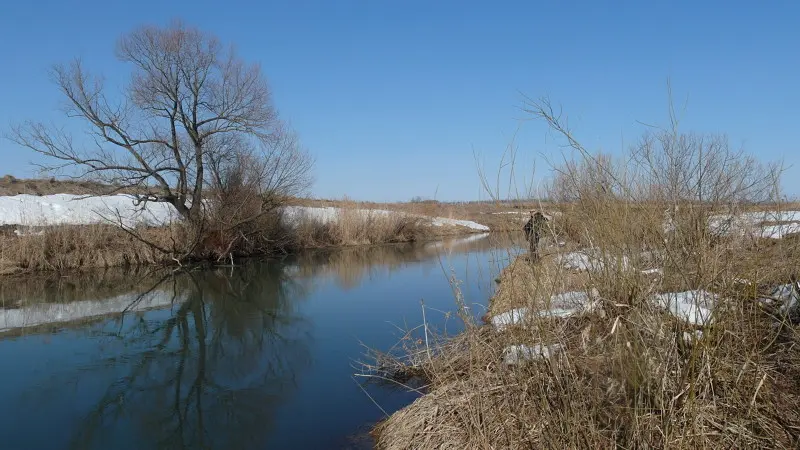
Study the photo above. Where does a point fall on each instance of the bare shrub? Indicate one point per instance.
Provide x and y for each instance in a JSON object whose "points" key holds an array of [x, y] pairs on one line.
{"points": [[351, 226]]}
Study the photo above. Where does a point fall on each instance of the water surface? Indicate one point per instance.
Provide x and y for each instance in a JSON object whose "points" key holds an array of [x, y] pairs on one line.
{"points": [[261, 355]]}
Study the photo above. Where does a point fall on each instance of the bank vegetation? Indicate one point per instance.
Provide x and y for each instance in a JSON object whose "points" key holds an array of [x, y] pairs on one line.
{"points": [[658, 324]]}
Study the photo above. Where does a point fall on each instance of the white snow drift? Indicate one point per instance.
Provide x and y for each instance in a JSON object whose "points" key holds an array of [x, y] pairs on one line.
{"points": [[331, 214], [563, 305], [763, 224], [67, 209], [694, 307]]}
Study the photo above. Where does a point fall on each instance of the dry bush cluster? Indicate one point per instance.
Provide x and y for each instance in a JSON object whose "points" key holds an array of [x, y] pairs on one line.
{"points": [[361, 227], [624, 372], [219, 238]]}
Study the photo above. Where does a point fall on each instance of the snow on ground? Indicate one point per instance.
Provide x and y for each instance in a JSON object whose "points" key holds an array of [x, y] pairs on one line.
{"points": [[67, 209], [330, 214], [692, 337], [782, 224], [779, 231], [786, 295], [515, 354], [587, 260], [579, 261], [48, 313], [693, 307], [443, 221], [567, 304]]}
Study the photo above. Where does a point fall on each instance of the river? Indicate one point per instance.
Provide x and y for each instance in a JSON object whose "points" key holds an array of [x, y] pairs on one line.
{"points": [[253, 356]]}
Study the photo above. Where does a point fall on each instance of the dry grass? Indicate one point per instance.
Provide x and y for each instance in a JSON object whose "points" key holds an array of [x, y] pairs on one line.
{"points": [[494, 214], [624, 373], [353, 226], [522, 282], [625, 377], [10, 185], [62, 248]]}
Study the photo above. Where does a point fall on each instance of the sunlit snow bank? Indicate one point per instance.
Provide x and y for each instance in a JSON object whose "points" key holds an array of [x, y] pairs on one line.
{"points": [[49, 313], [763, 224], [67, 209], [331, 214], [563, 305]]}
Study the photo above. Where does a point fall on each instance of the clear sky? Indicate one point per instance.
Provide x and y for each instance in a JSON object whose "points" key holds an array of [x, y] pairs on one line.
{"points": [[393, 97]]}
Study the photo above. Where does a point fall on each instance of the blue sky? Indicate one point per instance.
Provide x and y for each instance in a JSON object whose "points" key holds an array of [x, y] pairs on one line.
{"points": [[394, 97]]}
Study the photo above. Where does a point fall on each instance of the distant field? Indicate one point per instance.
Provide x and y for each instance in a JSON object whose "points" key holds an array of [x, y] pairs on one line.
{"points": [[10, 185], [499, 216]]}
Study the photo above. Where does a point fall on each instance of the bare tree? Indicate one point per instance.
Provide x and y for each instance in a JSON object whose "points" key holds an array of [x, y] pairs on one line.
{"points": [[702, 168], [190, 108]]}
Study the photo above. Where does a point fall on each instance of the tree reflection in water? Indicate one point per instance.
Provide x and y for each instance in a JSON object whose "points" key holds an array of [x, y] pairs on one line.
{"points": [[211, 374], [217, 370]]}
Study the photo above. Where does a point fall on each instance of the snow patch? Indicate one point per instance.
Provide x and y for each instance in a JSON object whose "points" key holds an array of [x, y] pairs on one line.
{"points": [[442, 221], [693, 307], [562, 305], [751, 223], [293, 214], [508, 318], [68, 209], [689, 337], [585, 260], [516, 354], [786, 295], [779, 231]]}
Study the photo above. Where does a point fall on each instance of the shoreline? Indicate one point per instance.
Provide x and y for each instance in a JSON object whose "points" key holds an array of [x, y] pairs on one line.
{"points": [[553, 345], [61, 232], [133, 260]]}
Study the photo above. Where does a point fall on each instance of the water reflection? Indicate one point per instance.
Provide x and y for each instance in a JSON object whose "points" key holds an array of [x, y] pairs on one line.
{"points": [[206, 375], [191, 359], [349, 267]]}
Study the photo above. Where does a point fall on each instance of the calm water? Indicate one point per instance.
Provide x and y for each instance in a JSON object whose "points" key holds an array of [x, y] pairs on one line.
{"points": [[255, 356]]}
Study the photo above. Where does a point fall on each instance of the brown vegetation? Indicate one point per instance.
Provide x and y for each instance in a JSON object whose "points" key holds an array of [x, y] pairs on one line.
{"points": [[10, 185], [622, 371], [66, 247]]}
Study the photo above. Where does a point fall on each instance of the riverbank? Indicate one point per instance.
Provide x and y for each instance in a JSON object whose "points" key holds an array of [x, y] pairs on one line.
{"points": [[275, 337], [655, 339], [65, 231]]}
